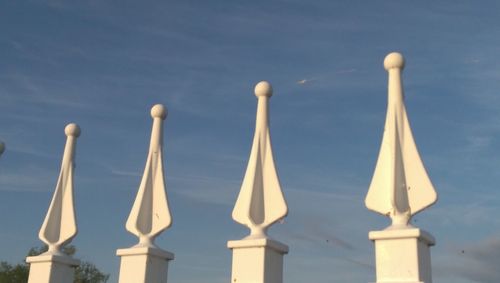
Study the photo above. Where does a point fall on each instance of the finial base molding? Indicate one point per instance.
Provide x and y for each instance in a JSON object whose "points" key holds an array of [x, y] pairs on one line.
{"points": [[403, 255]]}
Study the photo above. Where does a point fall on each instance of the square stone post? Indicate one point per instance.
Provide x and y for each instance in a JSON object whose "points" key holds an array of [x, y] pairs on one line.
{"points": [[257, 261], [144, 265], [403, 255], [52, 268]]}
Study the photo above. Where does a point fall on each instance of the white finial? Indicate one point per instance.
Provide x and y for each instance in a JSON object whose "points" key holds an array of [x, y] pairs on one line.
{"points": [[59, 226], [263, 88], [159, 111], [400, 185], [72, 130], [394, 60], [260, 202], [150, 213], [2, 147]]}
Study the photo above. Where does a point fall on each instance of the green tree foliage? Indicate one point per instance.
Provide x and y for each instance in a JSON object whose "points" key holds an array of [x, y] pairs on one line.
{"points": [[13, 274], [88, 273], [85, 273]]}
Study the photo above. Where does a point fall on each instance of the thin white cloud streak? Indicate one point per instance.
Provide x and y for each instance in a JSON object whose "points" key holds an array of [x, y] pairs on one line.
{"points": [[27, 181], [478, 143], [42, 91], [30, 53], [324, 77], [29, 150], [315, 232], [20, 142], [326, 196], [471, 261], [215, 191], [125, 173], [473, 213]]}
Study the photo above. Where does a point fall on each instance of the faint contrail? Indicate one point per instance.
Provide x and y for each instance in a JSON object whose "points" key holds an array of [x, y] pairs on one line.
{"points": [[307, 81]]}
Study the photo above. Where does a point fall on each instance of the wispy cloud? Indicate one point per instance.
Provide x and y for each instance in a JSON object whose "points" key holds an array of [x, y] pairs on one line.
{"points": [[41, 91], [28, 181], [479, 143], [475, 212], [125, 173], [304, 81], [477, 262], [325, 76], [211, 190], [315, 232]]}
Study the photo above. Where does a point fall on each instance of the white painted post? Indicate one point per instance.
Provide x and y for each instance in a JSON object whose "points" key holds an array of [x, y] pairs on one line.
{"points": [[257, 258], [400, 188], [150, 216], [59, 226]]}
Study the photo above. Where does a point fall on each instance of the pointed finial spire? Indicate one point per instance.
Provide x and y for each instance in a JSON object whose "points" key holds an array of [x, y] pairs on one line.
{"points": [[150, 213], [59, 226], [400, 185], [260, 202]]}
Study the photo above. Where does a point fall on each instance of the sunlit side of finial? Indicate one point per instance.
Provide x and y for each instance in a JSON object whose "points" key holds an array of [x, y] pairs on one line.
{"points": [[59, 226], [400, 186], [150, 214], [260, 202]]}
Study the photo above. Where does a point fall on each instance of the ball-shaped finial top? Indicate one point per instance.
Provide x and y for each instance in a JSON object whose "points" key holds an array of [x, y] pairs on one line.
{"points": [[72, 129], [2, 147], [394, 60], [263, 88], [159, 111]]}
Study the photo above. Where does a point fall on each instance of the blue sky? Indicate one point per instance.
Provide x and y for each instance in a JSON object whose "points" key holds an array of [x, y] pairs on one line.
{"points": [[103, 64]]}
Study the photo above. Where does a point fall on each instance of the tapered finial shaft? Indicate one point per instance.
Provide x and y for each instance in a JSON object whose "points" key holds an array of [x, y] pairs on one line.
{"points": [[400, 185], [260, 202], [59, 226], [150, 214]]}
